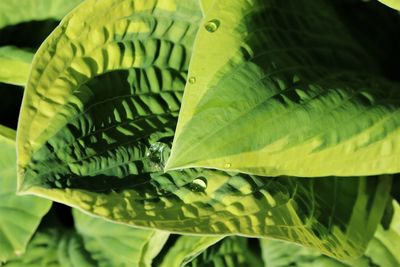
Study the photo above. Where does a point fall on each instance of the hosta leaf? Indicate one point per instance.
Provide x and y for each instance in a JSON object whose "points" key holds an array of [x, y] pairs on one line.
{"points": [[382, 251], [187, 248], [15, 64], [55, 247], [392, 3], [230, 252], [116, 245], [41, 251], [17, 11], [19, 216], [94, 243], [71, 251], [282, 88], [384, 248], [98, 118], [95, 87]]}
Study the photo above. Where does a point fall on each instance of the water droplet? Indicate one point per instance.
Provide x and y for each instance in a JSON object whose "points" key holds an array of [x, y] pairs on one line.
{"points": [[192, 80], [199, 184], [158, 154], [212, 25], [227, 165]]}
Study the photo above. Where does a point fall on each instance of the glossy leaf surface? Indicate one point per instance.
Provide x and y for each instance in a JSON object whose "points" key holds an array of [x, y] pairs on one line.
{"points": [[382, 251], [284, 89], [97, 122]]}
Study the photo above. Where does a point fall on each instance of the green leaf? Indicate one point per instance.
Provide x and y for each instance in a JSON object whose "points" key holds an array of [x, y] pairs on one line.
{"points": [[15, 64], [116, 245], [284, 89], [54, 247], [94, 242], [392, 3], [230, 252], [17, 11], [187, 248], [71, 251], [384, 248], [19, 216], [98, 118], [93, 88], [41, 251], [382, 251]]}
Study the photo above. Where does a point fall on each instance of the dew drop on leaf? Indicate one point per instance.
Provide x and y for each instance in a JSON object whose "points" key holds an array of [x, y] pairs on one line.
{"points": [[212, 25], [199, 184], [192, 80], [158, 154]]}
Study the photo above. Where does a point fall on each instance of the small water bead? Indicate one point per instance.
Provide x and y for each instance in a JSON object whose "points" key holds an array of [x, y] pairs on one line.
{"points": [[158, 154], [192, 80], [227, 165], [199, 184], [212, 25]]}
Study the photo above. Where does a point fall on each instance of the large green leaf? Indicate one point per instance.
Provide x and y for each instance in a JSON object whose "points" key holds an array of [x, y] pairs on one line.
{"points": [[94, 243], [382, 251], [19, 216], [98, 118], [17, 11], [392, 3], [15, 64], [117, 245], [187, 248], [282, 88], [230, 252], [55, 247]]}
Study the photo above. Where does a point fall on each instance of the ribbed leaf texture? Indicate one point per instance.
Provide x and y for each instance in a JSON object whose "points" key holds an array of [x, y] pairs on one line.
{"points": [[283, 88], [97, 122], [382, 251]]}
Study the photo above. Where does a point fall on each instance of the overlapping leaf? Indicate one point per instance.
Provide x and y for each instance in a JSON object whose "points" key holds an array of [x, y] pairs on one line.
{"points": [[118, 245], [230, 252], [282, 88], [55, 247], [382, 251], [17, 11], [94, 243], [187, 248], [392, 3], [98, 118], [14, 65], [19, 216]]}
